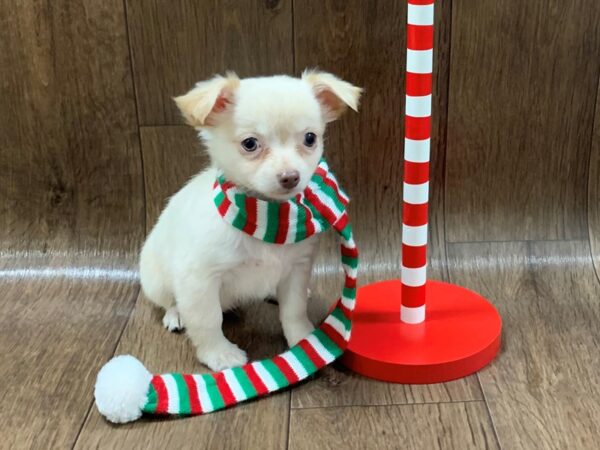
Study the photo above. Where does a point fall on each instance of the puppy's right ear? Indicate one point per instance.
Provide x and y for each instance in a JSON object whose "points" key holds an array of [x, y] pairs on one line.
{"points": [[208, 100]]}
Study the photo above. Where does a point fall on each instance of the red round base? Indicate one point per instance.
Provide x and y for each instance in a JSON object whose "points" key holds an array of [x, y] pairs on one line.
{"points": [[460, 335]]}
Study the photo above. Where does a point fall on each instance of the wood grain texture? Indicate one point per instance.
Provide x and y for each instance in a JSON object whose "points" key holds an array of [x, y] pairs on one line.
{"points": [[176, 44], [522, 92], [60, 319], [543, 390], [171, 155], [594, 189], [67, 123], [445, 426]]}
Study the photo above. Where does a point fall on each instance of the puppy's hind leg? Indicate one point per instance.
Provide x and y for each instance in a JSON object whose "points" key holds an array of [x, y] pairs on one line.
{"points": [[157, 289]]}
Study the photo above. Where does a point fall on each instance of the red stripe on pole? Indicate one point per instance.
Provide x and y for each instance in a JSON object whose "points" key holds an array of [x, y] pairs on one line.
{"points": [[311, 353], [255, 379], [251, 212], [195, 407], [413, 296], [285, 369], [418, 84], [421, 2], [419, 37], [417, 128], [414, 257], [162, 393], [224, 389], [415, 215], [284, 222], [416, 173]]}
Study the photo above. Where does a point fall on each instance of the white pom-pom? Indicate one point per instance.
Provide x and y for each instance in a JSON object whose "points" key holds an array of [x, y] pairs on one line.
{"points": [[122, 388]]}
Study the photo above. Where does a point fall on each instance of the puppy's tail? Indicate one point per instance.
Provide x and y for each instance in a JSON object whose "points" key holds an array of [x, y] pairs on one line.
{"points": [[125, 389]]}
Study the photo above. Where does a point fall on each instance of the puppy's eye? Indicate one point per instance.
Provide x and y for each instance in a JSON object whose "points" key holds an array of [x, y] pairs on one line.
{"points": [[310, 139], [250, 144]]}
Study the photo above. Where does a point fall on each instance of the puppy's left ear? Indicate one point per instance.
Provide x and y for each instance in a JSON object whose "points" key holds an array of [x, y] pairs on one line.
{"points": [[333, 93]]}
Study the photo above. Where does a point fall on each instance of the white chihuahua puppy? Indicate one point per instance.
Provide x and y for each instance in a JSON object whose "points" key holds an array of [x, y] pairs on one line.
{"points": [[266, 135]]}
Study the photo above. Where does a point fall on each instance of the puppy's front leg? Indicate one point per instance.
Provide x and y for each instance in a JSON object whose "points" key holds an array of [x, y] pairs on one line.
{"points": [[292, 294], [200, 309]]}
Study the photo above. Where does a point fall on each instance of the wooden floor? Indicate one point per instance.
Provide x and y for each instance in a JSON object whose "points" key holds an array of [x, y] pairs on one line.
{"points": [[91, 147]]}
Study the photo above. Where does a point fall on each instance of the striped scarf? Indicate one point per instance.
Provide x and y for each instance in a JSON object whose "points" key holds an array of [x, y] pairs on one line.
{"points": [[320, 206]]}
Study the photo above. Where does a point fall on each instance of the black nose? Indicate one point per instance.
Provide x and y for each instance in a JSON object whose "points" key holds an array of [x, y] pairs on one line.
{"points": [[289, 179]]}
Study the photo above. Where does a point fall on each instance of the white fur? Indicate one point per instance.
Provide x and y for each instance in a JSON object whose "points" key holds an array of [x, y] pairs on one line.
{"points": [[196, 262], [122, 388]]}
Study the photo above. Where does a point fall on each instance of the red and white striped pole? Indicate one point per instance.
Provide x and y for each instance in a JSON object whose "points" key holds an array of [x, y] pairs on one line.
{"points": [[417, 132], [463, 329]]}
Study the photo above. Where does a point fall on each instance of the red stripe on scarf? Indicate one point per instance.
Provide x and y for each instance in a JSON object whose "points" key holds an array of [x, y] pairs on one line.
{"points": [[351, 252], [311, 353], [329, 182], [195, 407], [162, 393], [251, 212], [284, 223], [286, 369], [310, 226], [348, 313], [256, 381], [321, 207], [333, 335], [350, 282], [224, 389], [224, 206]]}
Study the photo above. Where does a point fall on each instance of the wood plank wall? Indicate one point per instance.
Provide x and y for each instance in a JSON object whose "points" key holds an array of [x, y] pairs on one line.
{"points": [[91, 144]]}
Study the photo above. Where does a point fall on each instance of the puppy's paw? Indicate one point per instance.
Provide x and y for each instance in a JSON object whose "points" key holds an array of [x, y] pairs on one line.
{"points": [[296, 331], [224, 356], [171, 320]]}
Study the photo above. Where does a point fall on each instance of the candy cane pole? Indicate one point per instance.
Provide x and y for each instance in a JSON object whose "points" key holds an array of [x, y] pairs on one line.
{"points": [[462, 330], [417, 134]]}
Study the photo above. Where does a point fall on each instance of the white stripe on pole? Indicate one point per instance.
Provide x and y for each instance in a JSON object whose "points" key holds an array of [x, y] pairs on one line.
{"points": [[414, 276], [412, 315], [234, 385], [205, 402], [418, 106], [416, 194], [420, 14], [414, 236], [265, 376], [419, 61], [173, 393], [416, 151]]}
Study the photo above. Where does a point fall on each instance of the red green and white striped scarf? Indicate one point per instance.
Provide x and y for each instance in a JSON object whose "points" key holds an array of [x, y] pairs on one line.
{"points": [[320, 206]]}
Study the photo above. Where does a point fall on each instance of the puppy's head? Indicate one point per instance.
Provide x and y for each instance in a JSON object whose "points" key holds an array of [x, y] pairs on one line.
{"points": [[266, 134]]}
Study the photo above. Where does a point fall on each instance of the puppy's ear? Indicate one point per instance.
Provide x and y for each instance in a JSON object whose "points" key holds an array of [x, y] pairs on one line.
{"points": [[333, 94], [202, 106]]}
